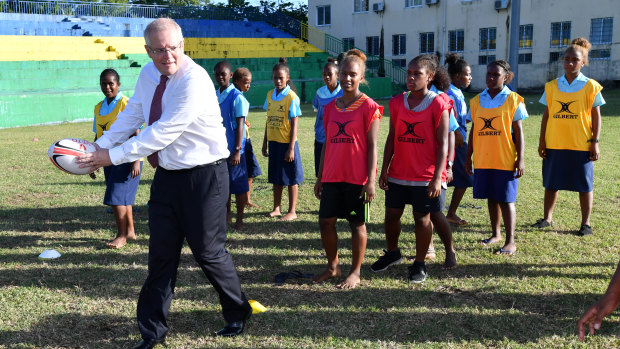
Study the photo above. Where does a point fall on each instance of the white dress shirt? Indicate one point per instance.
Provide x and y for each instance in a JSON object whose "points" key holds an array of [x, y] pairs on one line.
{"points": [[189, 132]]}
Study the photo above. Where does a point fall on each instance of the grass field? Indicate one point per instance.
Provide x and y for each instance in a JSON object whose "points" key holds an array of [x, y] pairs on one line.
{"points": [[87, 297]]}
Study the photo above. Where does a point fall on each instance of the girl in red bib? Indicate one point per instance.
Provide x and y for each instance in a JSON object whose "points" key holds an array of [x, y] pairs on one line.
{"points": [[414, 166], [569, 135], [348, 167], [496, 142]]}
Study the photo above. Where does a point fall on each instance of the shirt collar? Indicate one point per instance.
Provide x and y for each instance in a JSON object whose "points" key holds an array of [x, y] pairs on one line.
{"points": [[323, 92], [115, 100], [562, 79], [221, 96], [504, 91], [282, 94]]}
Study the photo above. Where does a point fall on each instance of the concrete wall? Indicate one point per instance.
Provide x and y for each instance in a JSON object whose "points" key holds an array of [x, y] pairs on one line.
{"points": [[471, 16]]}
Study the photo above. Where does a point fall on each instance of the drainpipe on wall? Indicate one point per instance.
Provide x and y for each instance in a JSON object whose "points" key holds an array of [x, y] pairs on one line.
{"points": [[513, 53], [444, 31]]}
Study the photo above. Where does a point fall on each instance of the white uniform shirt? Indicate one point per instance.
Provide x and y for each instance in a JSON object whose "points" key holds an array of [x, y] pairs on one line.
{"points": [[189, 132]]}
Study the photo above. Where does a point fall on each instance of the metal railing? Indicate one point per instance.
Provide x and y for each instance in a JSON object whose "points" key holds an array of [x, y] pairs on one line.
{"points": [[77, 8], [335, 46]]}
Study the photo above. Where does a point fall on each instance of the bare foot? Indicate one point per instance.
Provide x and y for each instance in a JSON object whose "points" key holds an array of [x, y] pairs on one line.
{"points": [[350, 282], [327, 274], [274, 213], [291, 216], [239, 225], [251, 204], [450, 262], [132, 236], [118, 242], [454, 219]]}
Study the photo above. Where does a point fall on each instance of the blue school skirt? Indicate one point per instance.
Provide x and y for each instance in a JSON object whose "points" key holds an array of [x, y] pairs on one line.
{"points": [[121, 188], [282, 172], [238, 177], [460, 178], [568, 170], [251, 162], [498, 185]]}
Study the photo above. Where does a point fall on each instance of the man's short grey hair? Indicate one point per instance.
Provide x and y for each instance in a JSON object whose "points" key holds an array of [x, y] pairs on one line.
{"points": [[161, 24]]}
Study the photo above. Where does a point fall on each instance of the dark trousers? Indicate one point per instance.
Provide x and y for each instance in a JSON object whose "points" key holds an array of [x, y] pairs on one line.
{"points": [[188, 204]]}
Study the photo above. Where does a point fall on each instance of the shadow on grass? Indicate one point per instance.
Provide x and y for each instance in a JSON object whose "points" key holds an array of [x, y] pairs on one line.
{"points": [[352, 315], [63, 219]]}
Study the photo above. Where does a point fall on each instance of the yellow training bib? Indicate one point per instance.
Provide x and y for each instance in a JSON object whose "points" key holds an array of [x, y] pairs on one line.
{"points": [[492, 136], [104, 122], [278, 124], [569, 125]]}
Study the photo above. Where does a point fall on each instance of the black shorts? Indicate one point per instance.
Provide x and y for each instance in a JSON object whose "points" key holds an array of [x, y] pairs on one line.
{"points": [[342, 200], [397, 196]]}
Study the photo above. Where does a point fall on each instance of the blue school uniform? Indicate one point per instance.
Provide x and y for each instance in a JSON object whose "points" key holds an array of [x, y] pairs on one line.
{"points": [[499, 185], [234, 106], [460, 178], [322, 97], [121, 188], [569, 169], [279, 171]]}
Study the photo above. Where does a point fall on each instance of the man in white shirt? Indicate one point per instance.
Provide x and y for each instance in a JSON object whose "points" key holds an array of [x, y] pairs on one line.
{"points": [[186, 140]]}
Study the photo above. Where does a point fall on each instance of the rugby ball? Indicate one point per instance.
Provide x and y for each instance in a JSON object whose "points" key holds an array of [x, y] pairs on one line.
{"points": [[64, 152]]}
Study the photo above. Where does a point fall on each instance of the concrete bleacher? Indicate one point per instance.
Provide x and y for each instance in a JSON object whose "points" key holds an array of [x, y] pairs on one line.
{"points": [[54, 25], [52, 67]]}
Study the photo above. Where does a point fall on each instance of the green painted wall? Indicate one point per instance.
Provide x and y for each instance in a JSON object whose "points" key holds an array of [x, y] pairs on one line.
{"points": [[38, 92]]}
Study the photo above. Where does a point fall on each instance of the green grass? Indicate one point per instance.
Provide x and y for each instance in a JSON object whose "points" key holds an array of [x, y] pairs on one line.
{"points": [[87, 297]]}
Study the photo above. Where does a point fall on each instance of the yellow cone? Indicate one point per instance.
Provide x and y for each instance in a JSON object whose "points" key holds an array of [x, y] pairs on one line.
{"points": [[257, 307]]}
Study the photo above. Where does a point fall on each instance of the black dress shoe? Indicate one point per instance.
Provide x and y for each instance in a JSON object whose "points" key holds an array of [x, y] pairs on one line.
{"points": [[148, 343], [234, 328]]}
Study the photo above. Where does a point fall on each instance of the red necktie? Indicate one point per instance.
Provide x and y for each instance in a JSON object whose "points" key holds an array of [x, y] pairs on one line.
{"points": [[155, 114]]}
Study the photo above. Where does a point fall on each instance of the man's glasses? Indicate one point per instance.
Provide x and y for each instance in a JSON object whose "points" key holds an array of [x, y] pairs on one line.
{"points": [[161, 51]]}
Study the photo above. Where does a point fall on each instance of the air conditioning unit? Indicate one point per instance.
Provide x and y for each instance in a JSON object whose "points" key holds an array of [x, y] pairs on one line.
{"points": [[501, 4], [377, 7], [432, 2]]}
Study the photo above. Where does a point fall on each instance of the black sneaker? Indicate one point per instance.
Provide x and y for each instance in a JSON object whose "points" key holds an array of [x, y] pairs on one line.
{"points": [[542, 223], [388, 258], [417, 272], [585, 230]]}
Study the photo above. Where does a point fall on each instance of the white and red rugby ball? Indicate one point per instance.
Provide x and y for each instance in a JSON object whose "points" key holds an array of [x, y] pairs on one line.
{"points": [[64, 152]]}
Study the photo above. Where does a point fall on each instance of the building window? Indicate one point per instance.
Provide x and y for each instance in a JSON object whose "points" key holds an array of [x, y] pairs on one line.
{"points": [[399, 45], [456, 40], [360, 5], [600, 54], [486, 59], [554, 56], [560, 34], [600, 30], [372, 45], [413, 3], [348, 43], [323, 15], [526, 34], [400, 62], [427, 43], [525, 58], [487, 39]]}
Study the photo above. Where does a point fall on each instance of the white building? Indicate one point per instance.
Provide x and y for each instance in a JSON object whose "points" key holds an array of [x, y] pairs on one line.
{"points": [[479, 31]]}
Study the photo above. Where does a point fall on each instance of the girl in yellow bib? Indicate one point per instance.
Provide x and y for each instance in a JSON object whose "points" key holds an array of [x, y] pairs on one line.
{"points": [[121, 180], [569, 135], [280, 142], [496, 142]]}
